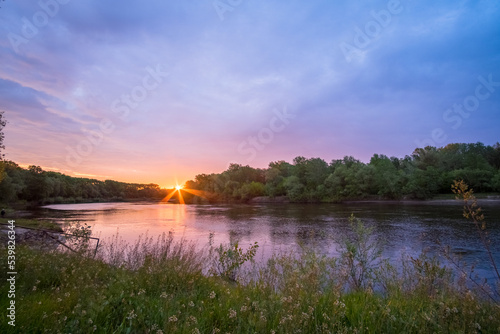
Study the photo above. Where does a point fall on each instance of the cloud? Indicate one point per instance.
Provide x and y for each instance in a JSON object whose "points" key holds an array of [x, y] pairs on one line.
{"points": [[226, 78]]}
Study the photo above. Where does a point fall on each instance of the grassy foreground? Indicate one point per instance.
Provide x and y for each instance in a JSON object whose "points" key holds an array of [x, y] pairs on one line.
{"points": [[163, 286]]}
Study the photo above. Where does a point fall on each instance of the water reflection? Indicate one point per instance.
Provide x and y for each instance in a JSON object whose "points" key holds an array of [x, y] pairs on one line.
{"points": [[404, 228]]}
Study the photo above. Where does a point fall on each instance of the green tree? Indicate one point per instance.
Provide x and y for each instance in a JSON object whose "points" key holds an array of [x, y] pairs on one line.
{"points": [[387, 178], [294, 189], [251, 190], [36, 185]]}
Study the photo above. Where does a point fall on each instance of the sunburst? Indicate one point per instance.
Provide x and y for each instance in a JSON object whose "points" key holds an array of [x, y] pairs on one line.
{"points": [[178, 190]]}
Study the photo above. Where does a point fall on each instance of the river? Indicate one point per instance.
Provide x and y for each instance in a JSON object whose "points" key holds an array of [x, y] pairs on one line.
{"points": [[404, 227]]}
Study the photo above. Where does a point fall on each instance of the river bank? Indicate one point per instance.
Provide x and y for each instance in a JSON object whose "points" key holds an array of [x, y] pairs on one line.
{"points": [[482, 199], [161, 288]]}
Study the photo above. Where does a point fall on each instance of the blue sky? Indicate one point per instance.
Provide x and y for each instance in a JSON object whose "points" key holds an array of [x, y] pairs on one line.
{"points": [[160, 91]]}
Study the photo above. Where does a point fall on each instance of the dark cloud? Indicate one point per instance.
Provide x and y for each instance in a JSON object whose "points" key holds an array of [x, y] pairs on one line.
{"points": [[227, 76]]}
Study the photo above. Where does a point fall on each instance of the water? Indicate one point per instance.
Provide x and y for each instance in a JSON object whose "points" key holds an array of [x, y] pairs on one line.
{"points": [[403, 227]]}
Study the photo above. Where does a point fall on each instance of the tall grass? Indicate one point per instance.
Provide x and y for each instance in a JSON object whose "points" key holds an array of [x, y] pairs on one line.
{"points": [[159, 285]]}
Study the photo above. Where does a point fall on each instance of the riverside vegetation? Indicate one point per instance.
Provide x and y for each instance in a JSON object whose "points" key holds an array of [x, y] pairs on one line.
{"points": [[166, 286], [426, 173]]}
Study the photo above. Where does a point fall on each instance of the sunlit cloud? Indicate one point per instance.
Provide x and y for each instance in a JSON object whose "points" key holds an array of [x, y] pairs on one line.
{"points": [[226, 77]]}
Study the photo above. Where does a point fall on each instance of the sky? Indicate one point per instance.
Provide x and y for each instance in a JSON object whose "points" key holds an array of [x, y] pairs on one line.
{"points": [[160, 91]]}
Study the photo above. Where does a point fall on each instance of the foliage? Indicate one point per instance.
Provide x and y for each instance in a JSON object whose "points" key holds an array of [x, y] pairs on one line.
{"points": [[425, 173], [474, 213], [159, 287], [42, 187], [78, 235], [229, 259], [359, 254]]}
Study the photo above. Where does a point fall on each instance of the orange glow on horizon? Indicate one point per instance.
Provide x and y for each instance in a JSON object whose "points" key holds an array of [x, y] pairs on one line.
{"points": [[199, 193], [178, 190]]}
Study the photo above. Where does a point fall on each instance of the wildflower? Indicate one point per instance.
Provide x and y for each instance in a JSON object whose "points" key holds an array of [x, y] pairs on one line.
{"points": [[131, 315], [196, 331], [244, 308], [477, 326], [163, 295], [59, 300], [192, 319], [159, 331], [94, 328], [90, 321], [172, 319], [34, 288], [215, 331], [212, 295], [141, 291], [191, 304], [232, 313]]}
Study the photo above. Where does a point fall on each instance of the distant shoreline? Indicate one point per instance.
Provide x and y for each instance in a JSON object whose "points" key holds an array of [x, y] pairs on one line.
{"points": [[285, 200], [482, 201]]}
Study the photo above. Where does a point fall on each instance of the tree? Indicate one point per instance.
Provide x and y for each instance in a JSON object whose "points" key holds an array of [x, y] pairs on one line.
{"points": [[387, 176], [37, 187]]}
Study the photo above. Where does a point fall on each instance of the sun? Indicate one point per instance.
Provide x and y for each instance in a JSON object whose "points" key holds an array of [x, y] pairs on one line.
{"points": [[178, 190]]}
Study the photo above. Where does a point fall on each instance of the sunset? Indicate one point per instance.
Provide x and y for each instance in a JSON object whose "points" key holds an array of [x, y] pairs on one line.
{"points": [[237, 166], [164, 91]]}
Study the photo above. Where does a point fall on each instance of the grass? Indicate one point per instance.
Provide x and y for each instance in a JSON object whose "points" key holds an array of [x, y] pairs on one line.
{"points": [[163, 286], [34, 223]]}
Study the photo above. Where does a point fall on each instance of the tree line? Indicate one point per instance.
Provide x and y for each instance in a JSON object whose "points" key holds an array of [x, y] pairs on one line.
{"points": [[424, 174], [37, 186]]}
